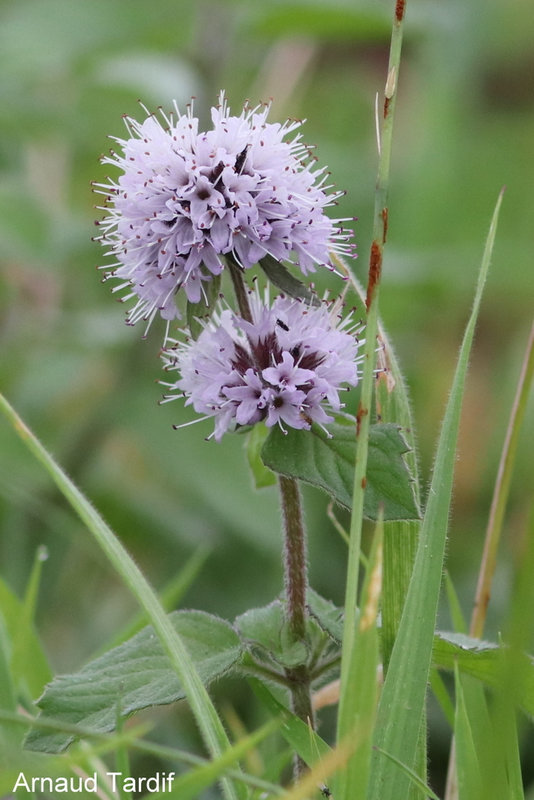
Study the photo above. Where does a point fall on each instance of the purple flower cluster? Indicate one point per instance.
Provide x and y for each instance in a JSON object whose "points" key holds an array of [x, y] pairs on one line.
{"points": [[283, 367], [186, 198]]}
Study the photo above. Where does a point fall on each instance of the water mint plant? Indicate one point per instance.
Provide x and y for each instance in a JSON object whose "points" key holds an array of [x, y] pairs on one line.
{"points": [[217, 231], [187, 198]]}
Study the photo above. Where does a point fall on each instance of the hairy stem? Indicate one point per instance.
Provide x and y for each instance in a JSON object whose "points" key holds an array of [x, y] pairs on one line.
{"points": [[295, 561], [296, 584]]}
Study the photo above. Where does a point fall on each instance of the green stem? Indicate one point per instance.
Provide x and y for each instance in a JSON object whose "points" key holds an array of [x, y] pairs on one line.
{"points": [[364, 411], [236, 274], [494, 529], [501, 491], [295, 559], [296, 584]]}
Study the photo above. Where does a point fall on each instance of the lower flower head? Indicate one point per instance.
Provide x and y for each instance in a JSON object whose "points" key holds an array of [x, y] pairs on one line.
{"points": [[287, 366], [188, 198]]}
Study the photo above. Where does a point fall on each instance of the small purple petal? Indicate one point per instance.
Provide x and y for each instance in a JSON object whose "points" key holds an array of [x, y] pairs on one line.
{"points": [[185, 198], [310, 353]]}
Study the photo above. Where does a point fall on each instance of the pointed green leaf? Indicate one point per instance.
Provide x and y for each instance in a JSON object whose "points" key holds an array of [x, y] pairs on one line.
{"points": [[326, 459], [329, 616], [483, 660], [190, 785], [357, 713], [266, 632], [467, 766], [262, 475], [134, 675], [29, 666], [284, 280], [301, 737]]}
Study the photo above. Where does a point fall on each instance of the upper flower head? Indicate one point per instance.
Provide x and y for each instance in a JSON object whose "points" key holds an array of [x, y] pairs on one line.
{"points": [[283, 367], [187, 197]]}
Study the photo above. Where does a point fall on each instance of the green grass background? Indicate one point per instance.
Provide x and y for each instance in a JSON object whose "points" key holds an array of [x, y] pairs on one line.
{"points": [[85, 382]]}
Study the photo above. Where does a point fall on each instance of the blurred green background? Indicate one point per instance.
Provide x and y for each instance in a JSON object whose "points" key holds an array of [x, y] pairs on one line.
{"points": [[85, 382]]}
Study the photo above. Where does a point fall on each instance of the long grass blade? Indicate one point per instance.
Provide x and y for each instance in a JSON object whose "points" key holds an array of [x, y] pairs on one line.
{"points": [[380, 220], [402, 702], [356, 719], [206, 716], [501, 491]]}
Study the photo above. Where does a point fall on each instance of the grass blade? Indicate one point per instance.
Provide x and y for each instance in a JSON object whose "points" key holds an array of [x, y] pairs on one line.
{"points": [[502, 488], [190, 785], [468, 768], [402, 702], [206, 716], [356, 718]]}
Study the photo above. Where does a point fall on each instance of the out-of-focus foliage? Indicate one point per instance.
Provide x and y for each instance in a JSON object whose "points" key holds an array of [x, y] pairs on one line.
{"points": [[86, 382]]}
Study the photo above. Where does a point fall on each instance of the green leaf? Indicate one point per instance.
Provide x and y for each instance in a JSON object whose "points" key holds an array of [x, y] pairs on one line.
{"points": [[190, 785], [196, 313], [266, 633], [483, 660], [262, 475], [467, 766], [28, 663], [284, 280], [203, 709], [457, 617], [301, 737], [135, 675], [357, 713], [7, 692], [329, 616], [326, 459], [422, 789]]}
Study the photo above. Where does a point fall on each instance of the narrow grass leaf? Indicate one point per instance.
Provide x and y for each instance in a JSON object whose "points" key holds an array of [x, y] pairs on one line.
{"points": [[502, 489], [357, 714], [400, 536], [102, 743], [203, 709], [28, 663], [303, 739], [315, 781], [190, 785], [402, 701], [441, 694], [421, 787], [467, 766], [483, 660], [457, 617], [8, 700]]}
